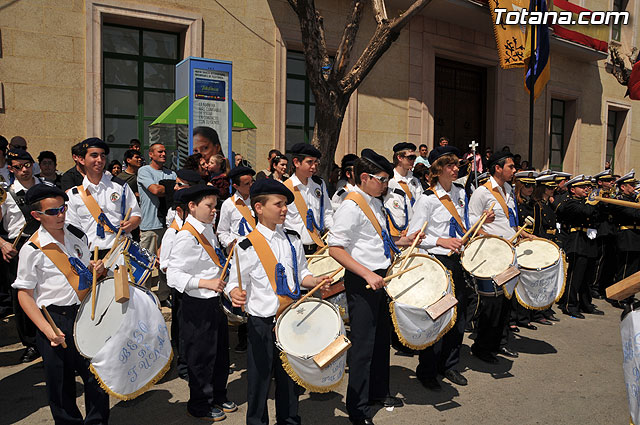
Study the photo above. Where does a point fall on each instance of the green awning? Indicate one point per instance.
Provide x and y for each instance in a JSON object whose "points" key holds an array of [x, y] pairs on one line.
{"points": [[178, 113]]}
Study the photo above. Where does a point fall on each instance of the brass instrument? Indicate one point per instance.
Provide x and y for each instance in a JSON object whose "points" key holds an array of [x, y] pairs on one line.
{"points": [[618, 202], [3, 194]]}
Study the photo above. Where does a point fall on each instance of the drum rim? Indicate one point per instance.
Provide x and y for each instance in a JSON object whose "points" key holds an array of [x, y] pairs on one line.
{"points": [[289, 308], [543, 268], [513, 253], [418, 254], [312, 260]]}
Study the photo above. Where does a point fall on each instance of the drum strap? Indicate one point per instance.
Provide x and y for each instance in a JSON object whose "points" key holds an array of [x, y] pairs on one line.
{"points": [[64, 264], [96, 212], [448, 204], [249, 220], [389, 246], [204, 242], [269, 262], [511, 215], [405, 187], [301, 205]]}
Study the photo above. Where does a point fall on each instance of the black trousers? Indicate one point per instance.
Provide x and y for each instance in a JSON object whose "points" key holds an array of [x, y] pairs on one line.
{"points": [[263, 358], [206, 341], [310, 249], [176, 339], [628, 264], [26, 329], [493, 319], [60, 368], [368, 357], [577, 295], [445, 354], [606, 263]]}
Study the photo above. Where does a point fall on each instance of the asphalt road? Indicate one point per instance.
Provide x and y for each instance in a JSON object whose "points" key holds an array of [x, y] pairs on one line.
{"points": [[569, 373]]}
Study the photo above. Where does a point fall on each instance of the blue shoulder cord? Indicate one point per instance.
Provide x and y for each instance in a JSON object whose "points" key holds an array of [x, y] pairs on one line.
{"points": [[222, 258], [104, 221], [282, 286], [513, 216], [243, 227], [86, 278], [389, 245], [454, 227], [311, 221]]}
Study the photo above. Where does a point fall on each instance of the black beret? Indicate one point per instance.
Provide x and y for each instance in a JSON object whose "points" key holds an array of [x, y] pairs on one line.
{"points": [[439, 151], [404, 146], [42, 191], [271, 187], [241, 171], [190, 176], [3, 143], [378, 160], [198, 191], [349, 160], [305, 149], [497, 156], [19, 154], [178, 195], [95, 142]]}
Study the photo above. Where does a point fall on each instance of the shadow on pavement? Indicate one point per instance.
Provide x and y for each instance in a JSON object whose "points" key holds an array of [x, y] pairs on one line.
{"points": [[321, 407], [522, 344], [406, 381], [11, 358], [500, 370], [24, 393]]}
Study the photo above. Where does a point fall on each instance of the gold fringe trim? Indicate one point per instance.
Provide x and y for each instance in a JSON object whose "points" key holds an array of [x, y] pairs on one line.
{"points": [[140, 391], [506, 293], [530, 307], [566, 269], [294, 376], [446, 329]]}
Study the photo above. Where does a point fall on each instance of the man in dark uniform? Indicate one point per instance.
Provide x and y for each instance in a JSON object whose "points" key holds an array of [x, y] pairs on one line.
{"points": [[578, 216], [627, 228], [606, 263]]}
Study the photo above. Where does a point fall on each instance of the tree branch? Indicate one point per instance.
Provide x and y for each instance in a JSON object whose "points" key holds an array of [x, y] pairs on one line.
{"points": [[313, 40], [348, 39], [398, 23], [380, 11]]}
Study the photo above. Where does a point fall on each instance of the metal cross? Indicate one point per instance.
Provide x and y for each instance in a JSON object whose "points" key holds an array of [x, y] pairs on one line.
{"points": [[473, 147]]}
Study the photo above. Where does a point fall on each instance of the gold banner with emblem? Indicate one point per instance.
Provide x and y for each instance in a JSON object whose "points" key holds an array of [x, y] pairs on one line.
{"points": [[510, 39]]}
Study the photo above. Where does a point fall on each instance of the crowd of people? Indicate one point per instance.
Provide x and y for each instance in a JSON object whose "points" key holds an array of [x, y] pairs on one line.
{"points": [[197, 217]]}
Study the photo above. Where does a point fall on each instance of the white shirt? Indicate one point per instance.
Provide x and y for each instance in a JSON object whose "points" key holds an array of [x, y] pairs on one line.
{"points": [[230, 218], [429, 208], [108, 197], [171, 214], [168, 240], [312, 192], [36, 271], [396, 197], [189, 262], [5, 174], [261, 299], [13, 219], [482, 198], [356, 234], [340, 194]]}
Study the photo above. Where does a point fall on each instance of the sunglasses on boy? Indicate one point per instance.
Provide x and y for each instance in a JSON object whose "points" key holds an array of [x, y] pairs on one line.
{"points": [[54, 211], [379, 178]]}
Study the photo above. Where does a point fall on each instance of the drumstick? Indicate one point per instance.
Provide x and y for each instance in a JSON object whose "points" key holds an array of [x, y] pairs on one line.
{"points": [[318, 286], [224, 269], [15, 242], [239, 276], [388, 278], [413, 245], [321, 250], [93, 285], [115, 242], [483, 220], [56, 330], [316, 256], [474, 229], [527, 222]]}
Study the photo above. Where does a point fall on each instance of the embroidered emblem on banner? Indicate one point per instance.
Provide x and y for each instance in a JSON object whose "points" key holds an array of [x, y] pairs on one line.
{"points": [[510, 39]]}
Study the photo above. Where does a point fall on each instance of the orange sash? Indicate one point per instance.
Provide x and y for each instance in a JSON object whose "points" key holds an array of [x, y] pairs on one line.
{"points": [[302, 207], [496, 194], [92, 206], [204, 242], [366, 209], [406, 189], [246, 213], [61, 261], [174, 225], [448, 204]]}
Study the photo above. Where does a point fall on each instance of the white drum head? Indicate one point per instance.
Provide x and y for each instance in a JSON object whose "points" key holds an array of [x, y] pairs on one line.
{"points": [[420, 287], [308, 329], [487, 256], [537, 254], [324, 266], [110, 260], [92, 335]]}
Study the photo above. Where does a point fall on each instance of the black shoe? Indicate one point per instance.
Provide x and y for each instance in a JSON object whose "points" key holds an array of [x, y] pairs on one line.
{"points": [[431, 384], [361, 421], [213, 414], [388, 401], [508, 353], [596, 295], [184, 375], [455, 377], [485, 357], [241, 347], [514, 329], [167, 303], [553, 318], [574, 314], [226, 406], [544, 321], [529, 326], [595, 311], [29, 355]]}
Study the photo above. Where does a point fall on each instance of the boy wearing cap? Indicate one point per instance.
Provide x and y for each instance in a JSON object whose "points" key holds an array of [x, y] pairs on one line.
{"points": [[42, 281], [310, 215], [404, 189], [99, 205], [236, 218], [195, 270], [347, 181], [360, 242], [269, 254], [578, 217], [19, 224]]}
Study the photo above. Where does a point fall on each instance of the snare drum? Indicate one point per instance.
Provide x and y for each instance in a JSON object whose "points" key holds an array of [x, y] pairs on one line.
{"points": [[140, 260], [415, 291], [484, 258], [304, 332], [542, 273], [326, 266], [128, 343]]}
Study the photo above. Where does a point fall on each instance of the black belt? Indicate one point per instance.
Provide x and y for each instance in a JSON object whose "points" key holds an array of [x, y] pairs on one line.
{"points": [[63, 309]]}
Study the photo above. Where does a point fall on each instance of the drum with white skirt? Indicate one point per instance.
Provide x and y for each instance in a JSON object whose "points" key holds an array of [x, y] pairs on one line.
{"points": [[543, 273], [128, 343], [415, 291], [306, 332], [326, 265], [140, 262], [487, 257]]}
